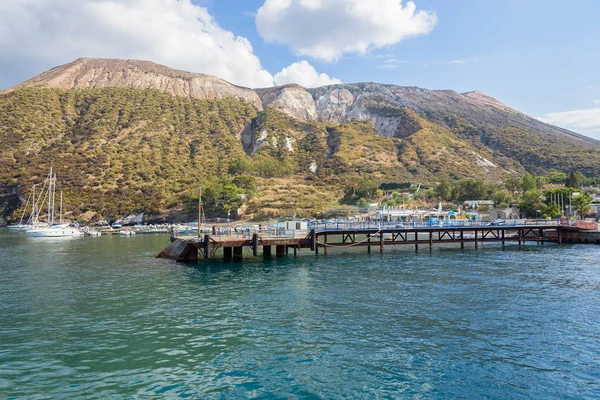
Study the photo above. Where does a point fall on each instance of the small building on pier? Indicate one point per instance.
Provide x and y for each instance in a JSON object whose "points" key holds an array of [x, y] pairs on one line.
{"points": [[296, 225]]}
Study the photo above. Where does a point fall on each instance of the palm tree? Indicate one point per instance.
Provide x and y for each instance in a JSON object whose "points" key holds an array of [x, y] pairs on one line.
{"points": [[583, 204]]}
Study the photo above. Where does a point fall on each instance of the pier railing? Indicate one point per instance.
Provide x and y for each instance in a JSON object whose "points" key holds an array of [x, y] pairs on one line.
{"points": [[369, 225], [331, 226]]}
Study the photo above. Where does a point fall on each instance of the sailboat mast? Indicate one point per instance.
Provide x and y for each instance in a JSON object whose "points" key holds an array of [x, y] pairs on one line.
{"points": [[24, 210], [31, 216], [50, 199], [41, 200], [60, 207], [53, 197]]}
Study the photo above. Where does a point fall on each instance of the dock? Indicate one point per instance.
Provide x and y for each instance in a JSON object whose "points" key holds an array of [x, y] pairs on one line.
{"points": [[323, 239]]}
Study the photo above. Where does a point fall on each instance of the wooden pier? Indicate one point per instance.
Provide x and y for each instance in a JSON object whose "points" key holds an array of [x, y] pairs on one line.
{"points": [[317, 241]]}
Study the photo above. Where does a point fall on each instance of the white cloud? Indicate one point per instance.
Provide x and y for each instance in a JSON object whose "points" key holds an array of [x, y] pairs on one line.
{"points": [[586, 121], [596, 101], [393, 63], [175, 33], [326, 29], [463, 61], [305, 75]]}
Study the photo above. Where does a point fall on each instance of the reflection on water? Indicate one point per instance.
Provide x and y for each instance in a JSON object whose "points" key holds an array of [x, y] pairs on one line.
{"points": [[99, 317]]}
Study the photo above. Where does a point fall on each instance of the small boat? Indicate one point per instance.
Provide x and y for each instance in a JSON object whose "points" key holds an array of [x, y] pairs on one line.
{"points": [[116, 225], [127, 233]]}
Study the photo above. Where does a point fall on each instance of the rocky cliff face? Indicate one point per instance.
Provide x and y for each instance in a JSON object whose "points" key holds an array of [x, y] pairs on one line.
{"points": [[383, 105], [87, 73], [294, 100]]}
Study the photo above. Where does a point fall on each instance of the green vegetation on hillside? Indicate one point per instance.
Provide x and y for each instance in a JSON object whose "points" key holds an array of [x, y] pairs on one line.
{"points": [[118, 151]]}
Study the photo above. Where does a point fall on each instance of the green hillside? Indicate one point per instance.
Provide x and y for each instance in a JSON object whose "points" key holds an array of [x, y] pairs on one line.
{"points": [[118, 151]]}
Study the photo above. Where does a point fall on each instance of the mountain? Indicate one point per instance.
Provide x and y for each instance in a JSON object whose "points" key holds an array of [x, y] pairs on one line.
{"points": [[472, 116], [128, 135], [89, 73]]}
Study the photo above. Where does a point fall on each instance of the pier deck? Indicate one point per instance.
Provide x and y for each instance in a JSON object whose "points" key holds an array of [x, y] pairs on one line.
{"points": [[321, 240]]}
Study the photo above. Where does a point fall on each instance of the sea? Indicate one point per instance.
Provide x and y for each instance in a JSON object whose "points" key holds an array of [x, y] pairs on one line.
{"points": [[101, 318]]}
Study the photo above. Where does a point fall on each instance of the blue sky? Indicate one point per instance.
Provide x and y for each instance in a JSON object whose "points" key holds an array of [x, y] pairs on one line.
{"points": [[540, 57], [534, 55]]}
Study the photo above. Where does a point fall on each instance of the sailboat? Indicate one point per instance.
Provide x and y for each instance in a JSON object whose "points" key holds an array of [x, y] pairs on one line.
{"points": [[21, 226], [53, 230]]}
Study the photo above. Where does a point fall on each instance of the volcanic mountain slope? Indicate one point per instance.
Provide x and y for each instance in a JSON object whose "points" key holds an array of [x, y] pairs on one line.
{"points": [[87, 73], [129, 135], [474, 117]]}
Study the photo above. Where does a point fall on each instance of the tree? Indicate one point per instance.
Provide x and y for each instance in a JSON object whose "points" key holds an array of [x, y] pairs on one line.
{"points": [[533, 196], [550, 210], [444, 189], [575, 180], [470, 189], [240, 166], [512, 184], [528, 183], [502, 198], [583, 204], [532, 201], [248, 183], [541, 181], [557, 177], [364, 189]]}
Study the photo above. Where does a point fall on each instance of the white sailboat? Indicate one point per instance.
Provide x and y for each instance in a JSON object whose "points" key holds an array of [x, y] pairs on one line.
{"points": [[53, 230], [24, 226]]}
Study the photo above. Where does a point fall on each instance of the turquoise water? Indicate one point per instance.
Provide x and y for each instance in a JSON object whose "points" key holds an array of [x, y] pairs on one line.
{"points": [[101, 318]]}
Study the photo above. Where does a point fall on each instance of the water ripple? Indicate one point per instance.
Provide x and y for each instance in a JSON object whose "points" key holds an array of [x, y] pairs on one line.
{"points": [[100, 318]]}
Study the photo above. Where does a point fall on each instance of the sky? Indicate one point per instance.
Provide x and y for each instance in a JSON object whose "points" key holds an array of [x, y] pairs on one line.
{"points": [[538, 56]]}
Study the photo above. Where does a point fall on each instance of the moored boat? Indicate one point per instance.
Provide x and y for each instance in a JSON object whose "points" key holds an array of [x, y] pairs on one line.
{"points": [[17, 227], [53, 230]]}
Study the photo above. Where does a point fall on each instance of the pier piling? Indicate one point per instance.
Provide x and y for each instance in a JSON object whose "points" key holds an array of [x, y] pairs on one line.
{"points": [[430, 242], [206, 246], [267, 251], [279, 250], [238, 253], [255, 244]]}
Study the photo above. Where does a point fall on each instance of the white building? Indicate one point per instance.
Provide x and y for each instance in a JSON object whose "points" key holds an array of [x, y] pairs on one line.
{"points": [[407, 215], [478, 203], [296, 225]]}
